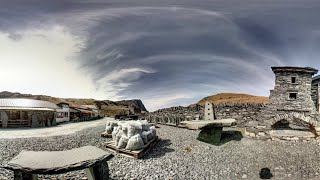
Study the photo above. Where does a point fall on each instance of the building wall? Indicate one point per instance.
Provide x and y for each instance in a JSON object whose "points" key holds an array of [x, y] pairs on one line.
{"points": [[279, 98], [63, 115], [280, 107], [16, 118]]}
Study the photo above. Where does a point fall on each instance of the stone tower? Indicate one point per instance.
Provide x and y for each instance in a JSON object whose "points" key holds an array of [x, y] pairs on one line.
{"points": [[208, 111], [290, 99]]}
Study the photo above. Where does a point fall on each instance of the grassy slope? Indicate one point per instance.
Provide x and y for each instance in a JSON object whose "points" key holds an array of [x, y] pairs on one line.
{"points": [[233, 98]]}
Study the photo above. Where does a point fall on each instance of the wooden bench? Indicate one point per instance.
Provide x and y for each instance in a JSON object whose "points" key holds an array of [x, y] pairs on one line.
{"points": [[28, 164], [211, 130]]}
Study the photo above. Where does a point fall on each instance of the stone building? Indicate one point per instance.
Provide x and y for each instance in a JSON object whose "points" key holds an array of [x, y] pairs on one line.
{"points": [[15, 112], [290, 101]]}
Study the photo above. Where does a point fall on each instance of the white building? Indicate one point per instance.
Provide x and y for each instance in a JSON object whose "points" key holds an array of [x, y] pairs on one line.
{"points": [[63, 114]]}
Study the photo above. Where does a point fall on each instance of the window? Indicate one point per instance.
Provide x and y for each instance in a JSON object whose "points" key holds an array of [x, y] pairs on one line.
{"points": [[292, 96], [14, 115], [208, 113], [293, 79], [24, 115]]}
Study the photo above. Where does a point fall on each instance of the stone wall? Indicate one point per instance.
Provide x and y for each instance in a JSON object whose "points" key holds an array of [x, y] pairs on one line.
{"points": [[243, 113], [174, 115], [315, 93]]}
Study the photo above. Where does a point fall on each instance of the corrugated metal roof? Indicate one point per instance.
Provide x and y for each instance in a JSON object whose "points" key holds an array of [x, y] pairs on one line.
{"points": [[90, 106], [85, 107], [26, 103], [26, 109]]}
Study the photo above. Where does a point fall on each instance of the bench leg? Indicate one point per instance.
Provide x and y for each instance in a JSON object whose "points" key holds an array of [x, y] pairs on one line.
{"points": [[24, 176], [90, 174], [98, 172], [210, 135], [34, 176]]}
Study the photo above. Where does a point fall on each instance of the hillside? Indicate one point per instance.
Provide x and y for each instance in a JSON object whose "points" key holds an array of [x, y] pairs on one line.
{"points": [[233, 98], [107, 107]]}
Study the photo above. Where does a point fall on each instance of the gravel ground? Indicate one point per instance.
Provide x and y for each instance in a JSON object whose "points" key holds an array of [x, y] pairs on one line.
{"points": [[180, 156]]}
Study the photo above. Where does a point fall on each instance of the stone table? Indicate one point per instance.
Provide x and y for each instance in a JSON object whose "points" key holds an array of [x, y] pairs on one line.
{"points": [[211, 131], [28, 164]]}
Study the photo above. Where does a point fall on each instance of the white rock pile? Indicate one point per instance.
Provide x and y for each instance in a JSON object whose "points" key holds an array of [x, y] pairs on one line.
{"points": [[131, 135]]}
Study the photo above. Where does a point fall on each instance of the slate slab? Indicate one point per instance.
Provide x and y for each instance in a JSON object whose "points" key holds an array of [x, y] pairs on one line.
{"points": [[291, 133], [56, 162], [199, 124]]}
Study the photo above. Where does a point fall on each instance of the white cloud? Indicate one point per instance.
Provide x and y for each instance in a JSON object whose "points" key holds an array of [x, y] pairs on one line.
{"points": [[118, 80], [158, 102], [42, 61]]}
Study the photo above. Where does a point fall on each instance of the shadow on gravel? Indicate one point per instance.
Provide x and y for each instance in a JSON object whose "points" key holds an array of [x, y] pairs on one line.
{"points": [[228, 136], [265, 173], [160, 149]]}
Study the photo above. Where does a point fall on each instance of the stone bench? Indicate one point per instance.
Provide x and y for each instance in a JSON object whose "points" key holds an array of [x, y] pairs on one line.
{"points": [[28, 164], [211, 130]]}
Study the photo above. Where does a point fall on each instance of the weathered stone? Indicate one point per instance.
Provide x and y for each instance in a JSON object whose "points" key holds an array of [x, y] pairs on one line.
{"points": [[291, 133], [244, 176], [261, 127], [252, 124], [56, 162]]}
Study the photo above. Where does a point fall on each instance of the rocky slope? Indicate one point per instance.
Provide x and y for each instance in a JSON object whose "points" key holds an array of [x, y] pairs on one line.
{"points": [[107, 107]]}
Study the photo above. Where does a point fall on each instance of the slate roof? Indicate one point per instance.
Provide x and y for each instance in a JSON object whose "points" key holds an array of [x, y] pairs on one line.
{"points": [[294, 69], [316, 78], [17, 103]]}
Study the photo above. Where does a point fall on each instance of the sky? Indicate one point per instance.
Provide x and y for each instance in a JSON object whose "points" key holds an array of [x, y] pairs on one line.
{"points": [[166, 53]]}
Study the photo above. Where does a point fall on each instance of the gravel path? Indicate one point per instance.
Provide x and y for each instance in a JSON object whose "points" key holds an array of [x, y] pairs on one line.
{"points": [[180, 156], [59, 130]]}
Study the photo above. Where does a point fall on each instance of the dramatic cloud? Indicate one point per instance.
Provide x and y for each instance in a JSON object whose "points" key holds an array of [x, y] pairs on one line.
{"points": [[163, 53]]}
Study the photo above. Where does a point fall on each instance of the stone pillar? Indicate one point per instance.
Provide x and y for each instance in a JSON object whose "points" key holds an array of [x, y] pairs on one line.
{"points": [[98, 172], [210, 135], [34, 120], [4, 118], [208, 111], [24, 176]]}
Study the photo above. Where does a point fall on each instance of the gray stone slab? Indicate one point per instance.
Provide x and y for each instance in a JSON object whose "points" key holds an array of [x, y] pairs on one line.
{"points": [[56, 162], [199, 124], [291, 133]]}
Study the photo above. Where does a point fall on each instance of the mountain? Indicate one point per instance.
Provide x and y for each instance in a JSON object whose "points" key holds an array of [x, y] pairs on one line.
{"points": [[233, 98], [107, 107], [136, 103]]}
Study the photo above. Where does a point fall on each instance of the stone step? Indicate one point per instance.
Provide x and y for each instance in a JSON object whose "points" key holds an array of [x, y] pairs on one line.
{"points": [[291, 133]]}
